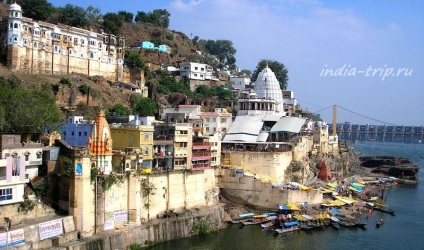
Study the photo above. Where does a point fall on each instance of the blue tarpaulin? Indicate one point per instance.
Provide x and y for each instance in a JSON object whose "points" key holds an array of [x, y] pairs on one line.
{"points": [[357, 187], [335, 211], [292, 223], [283, 207]]}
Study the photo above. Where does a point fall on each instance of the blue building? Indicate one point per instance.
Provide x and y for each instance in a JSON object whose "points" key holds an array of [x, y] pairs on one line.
{"points": [[76, 131], [147, 45]]}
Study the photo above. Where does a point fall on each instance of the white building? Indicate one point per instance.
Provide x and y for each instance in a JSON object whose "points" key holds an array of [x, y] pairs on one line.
{"points": [[196, 71], [19, 162], [239, 82]]}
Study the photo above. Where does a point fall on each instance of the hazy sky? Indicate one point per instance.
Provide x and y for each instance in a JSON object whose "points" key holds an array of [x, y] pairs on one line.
{"points": [[365, 56]]}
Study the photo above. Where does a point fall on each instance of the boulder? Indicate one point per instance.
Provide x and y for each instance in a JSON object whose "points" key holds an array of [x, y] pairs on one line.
{"points": [[398, 167]]}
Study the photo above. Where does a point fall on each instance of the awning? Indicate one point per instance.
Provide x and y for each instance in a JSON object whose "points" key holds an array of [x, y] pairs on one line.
{"points": [[289, 124]]}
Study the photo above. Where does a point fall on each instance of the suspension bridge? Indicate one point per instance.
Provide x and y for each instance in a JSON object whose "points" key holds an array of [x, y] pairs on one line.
{"points": [[386, 131]]}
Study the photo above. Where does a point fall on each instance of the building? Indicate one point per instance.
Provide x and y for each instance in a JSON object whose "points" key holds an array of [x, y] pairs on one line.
{"points": [[100, 145], [128, 137], [19, 163], [239, 82], [194, 71], [37, 47], [76, 131]]}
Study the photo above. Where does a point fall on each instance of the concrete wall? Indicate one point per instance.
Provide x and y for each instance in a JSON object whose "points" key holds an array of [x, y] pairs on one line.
{"points": [[252, 191], [270, 164]]}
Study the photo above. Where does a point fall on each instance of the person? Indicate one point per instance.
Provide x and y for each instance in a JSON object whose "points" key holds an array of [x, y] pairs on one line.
{"points": [[381, 221]]}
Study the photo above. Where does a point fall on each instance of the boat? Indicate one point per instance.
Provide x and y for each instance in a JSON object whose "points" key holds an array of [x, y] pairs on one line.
{"points": [[359, 224], [306, 226], [335, 225], [271, 221], [242, 217], [379, 223], [288, 227], [384, 209], [256, 219], [346, 223]]}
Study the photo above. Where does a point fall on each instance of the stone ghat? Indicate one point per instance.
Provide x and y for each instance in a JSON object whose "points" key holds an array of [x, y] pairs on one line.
{"points": [[398, 167]]}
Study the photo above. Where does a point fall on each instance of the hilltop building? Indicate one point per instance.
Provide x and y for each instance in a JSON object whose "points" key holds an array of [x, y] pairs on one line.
{"points": [[38, 47]]}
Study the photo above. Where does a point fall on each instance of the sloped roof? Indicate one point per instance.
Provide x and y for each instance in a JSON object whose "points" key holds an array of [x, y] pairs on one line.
{"points": [[289, 124]]}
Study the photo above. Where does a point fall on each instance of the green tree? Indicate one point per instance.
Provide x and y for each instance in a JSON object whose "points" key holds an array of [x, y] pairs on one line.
{"points": [[195, 40], [26, 110], [278, 68], [93, 14], [158, 18], [223, 49], [36, 9], [133, 59], [128, 16], [73, 16], [112, 23], [118, 109], [145, 107]]}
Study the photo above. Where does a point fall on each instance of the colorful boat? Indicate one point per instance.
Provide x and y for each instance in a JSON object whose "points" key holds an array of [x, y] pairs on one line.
{"points": [[288, 227]]}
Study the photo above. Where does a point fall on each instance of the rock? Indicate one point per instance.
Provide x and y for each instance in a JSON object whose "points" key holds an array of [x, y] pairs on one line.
{"points": [[398, 167]]}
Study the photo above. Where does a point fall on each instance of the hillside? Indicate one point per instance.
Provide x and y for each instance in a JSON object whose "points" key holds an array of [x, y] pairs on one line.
{"points": [[102, 94]]}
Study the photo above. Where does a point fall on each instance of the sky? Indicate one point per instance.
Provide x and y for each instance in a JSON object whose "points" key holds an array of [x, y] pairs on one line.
{"points": [[366, 57]]}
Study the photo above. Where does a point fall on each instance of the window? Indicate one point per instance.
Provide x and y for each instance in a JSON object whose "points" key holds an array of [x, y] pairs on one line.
{"points": [[146, 151], [35, 45], [73, 133], [6, 194], [147, 136], [85, 133], [79, 133], [39, 155]]}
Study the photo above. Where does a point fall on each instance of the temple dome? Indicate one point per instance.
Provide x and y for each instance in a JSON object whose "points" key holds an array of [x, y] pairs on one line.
{"points": [[268, 87], [15, 7]]}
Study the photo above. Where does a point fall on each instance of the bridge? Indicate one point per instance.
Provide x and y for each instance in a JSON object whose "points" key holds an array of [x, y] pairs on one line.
{"points": [[386, 132]]}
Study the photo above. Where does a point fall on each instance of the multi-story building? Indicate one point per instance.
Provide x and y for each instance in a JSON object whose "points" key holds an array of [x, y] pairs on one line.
{"points": [[19, 162], [76, 131], [134, 136], [192, 70], [38, 47]]}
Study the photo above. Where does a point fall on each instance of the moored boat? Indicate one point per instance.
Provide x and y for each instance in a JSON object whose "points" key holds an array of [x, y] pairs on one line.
{"points": [[288, 227], [335, 225]]}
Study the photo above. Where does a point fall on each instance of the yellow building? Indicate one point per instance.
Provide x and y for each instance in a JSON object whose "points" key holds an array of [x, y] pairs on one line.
{"points": [[134, 138]]}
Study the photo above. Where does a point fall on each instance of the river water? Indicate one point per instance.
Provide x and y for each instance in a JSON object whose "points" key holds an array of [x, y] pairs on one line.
{"points": [[404, 230]]}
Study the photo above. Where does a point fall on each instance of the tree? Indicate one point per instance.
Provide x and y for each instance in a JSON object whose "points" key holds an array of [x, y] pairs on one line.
{"points": [[128, 16], [73, 16], [133, 60], [195, 40], [145, 107], [118, 109], [112, 23], [36, 9], [223, 49], [93, 14], [158, 18], [278, 68], [23, 110]]}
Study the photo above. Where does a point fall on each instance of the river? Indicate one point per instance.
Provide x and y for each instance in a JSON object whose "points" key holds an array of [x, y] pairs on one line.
{"points": [[404, 230]]}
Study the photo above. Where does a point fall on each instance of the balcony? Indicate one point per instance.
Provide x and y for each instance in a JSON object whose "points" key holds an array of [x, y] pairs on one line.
{"points": [[181, 138], [201, 145], [14, 181], [198, 167]]}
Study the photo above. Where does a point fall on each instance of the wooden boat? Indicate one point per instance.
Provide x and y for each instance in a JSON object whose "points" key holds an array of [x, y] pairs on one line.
{"points": [[335, 225], [384, 209], [379, 223], [271, 221], [359, 224], [346, 223], [306, 226], [256, 219], [288, 227]]}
